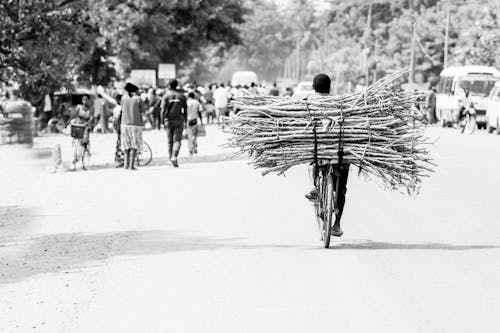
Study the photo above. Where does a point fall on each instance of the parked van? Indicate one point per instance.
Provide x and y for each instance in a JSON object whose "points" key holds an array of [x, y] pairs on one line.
{"points": [[450, 90], [493, 110], [244, 78]]}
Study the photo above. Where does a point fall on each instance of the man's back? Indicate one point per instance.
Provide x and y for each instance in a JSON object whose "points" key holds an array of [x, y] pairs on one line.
{"points": [[175, 103], [220, 97], [131, 110]]}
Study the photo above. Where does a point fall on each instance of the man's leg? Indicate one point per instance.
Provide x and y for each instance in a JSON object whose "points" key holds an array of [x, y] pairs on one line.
{"points": [[170, 139], [195, 139], [342, 189], [177, 136], [313, 194], [190, 135]]}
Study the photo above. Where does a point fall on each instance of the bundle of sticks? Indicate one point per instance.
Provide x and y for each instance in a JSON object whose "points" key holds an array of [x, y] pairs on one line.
{"points": [[378, 130]]}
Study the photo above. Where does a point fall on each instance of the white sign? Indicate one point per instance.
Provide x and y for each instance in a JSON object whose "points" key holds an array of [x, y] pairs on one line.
{"points": [[166, 71], [143, 77]]}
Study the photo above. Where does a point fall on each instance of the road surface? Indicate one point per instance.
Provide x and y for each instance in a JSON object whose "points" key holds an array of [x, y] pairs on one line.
{"points": [[215, 247]]}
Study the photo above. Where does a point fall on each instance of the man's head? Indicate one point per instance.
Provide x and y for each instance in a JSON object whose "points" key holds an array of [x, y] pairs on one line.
{"points": [[131, 88], [173, 84], [191, 94], [321, 84]]}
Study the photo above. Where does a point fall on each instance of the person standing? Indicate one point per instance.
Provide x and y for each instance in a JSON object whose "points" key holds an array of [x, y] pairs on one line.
{"points": [[431, 106], [274, 90], [117, 120], [194, 110], [131, 124], [155, 109], [100, 110], [174, 115], [221, 100], [47, 110]]}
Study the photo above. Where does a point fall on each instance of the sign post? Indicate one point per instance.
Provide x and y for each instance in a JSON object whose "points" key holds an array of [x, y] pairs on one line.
{"points": [[166, 72]]}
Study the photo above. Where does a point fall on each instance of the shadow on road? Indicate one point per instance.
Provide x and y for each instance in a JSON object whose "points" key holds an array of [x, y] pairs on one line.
{"points": [[23, 258], [62, 252], [15, 220], [371, 245], [163, 161]]}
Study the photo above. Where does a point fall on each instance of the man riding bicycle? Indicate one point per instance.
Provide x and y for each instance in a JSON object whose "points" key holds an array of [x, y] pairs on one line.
{"points": [[467, 106], [321, 86]]}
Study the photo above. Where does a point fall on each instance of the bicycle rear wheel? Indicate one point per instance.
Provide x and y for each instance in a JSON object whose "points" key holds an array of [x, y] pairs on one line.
{"points": [[144, 155], [328, 198]]}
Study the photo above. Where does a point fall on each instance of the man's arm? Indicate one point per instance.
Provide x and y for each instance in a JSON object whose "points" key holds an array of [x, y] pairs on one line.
{"points": [[200, 110], [184, 107]]}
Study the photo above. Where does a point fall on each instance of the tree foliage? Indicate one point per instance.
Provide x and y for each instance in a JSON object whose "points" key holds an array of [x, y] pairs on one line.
{"points": [[45, 44]]}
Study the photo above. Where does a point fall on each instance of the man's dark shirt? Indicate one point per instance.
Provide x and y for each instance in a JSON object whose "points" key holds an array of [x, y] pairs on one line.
{"points": [[175, 108]]}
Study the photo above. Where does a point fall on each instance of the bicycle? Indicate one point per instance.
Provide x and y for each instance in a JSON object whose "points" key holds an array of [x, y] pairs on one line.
{"points": [[468, 123], [327, 181], [81, 144], [326, 206], [144, 155]]}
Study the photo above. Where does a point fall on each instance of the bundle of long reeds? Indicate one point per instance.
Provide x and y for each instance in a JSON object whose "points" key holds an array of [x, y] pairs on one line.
{"points": [[378, 129]]}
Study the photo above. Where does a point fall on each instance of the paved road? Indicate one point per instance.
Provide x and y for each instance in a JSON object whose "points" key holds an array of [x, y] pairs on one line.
{"points": [[215, 247]]}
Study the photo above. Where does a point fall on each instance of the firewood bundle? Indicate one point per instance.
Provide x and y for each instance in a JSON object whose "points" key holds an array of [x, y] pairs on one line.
{"points": [[379, 131]]}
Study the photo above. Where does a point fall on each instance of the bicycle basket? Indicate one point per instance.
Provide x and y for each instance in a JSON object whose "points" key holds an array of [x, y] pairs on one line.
{"points": [[77, 132]]}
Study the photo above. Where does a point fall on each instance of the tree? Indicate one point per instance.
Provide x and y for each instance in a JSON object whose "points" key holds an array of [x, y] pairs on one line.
{"points": [[40, 44]]}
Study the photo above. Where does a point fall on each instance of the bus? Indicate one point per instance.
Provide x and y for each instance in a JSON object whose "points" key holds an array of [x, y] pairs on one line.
{"points": [[450, 90]]}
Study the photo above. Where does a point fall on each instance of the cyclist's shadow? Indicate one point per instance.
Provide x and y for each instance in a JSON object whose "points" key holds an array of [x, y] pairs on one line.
{"points": [[372, 245]]}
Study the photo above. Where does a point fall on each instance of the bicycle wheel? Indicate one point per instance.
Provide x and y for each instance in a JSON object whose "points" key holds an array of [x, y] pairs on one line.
{"points": [[318, 211], [76, 153], [85, 158], [328, 197], [144, 155], [471, 125]]}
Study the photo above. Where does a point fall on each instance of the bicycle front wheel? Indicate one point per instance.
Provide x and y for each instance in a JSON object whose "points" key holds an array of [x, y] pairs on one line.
{"points": [[144, 155], [85, 158]]}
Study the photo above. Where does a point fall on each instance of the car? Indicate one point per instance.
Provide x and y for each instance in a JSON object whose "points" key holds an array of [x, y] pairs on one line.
{"points": [[493, 110], [303, 89]]}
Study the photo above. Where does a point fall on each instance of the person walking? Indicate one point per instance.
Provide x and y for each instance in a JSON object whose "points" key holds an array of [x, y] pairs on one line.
{"points": [[209, 104], [131, 124], [174, 115], [221, 100], [194, 110]]}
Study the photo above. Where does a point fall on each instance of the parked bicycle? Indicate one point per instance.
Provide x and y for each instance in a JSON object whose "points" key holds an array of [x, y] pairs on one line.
{"points": [[144, 155]]}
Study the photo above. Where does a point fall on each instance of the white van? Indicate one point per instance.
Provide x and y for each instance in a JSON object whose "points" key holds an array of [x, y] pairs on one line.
{"points": [[244, 78], [450, 90], [493, 110]]}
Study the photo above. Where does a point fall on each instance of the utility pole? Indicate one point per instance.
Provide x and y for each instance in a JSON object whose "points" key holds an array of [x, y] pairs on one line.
{"points": [[366, 44], [20, 8], [413, 42], [325, 52], [298, 59], [498, 12], [447, 37]]}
